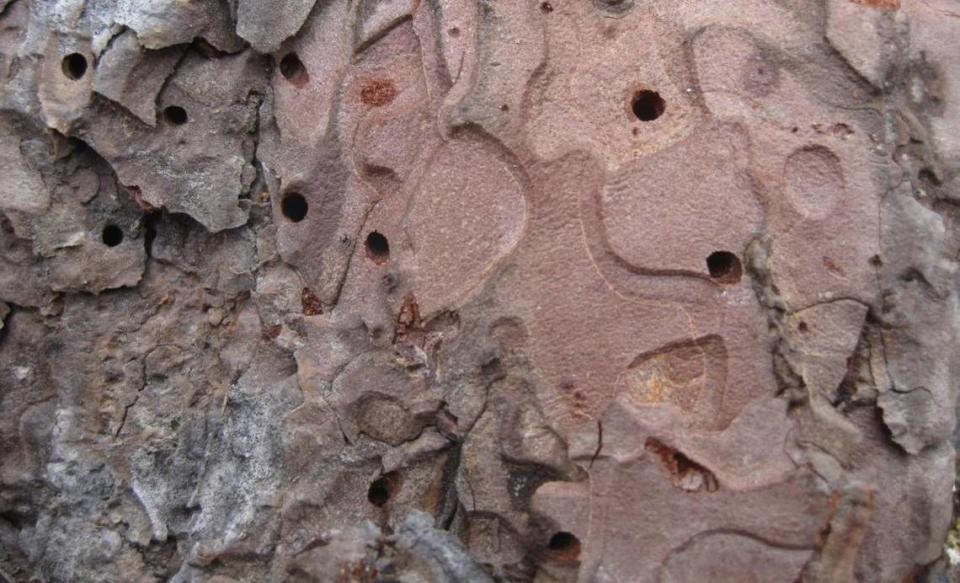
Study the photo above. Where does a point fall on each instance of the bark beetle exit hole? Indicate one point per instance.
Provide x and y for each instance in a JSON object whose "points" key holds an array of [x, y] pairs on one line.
{"points": [[378, 248], [294, 206], [175, 115], [384, 488], [74, 66], [647, 105], [112, 235], [564, 547], [724, 267]]}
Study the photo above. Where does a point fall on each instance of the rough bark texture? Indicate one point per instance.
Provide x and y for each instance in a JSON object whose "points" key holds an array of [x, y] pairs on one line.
{"points": [[478, 290]]}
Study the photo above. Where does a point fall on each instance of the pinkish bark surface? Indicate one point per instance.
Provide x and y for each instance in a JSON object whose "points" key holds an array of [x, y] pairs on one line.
{"points": [[479, 290]]}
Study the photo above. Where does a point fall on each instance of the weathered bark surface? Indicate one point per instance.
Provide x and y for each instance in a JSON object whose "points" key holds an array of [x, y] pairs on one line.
{"points": [[476, 290]]}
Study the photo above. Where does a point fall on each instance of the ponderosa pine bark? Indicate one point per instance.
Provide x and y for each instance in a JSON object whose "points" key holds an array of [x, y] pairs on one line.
{"points": [[478, 290]]}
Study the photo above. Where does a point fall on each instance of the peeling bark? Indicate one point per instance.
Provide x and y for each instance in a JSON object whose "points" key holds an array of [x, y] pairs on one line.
{"points": [[475, 290]]}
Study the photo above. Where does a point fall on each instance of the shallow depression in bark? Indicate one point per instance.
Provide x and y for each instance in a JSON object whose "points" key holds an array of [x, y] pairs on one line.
{"points": [[292, 69]]}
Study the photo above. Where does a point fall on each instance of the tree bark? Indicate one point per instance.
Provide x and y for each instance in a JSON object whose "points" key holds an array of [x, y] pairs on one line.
{"points": [[479, 290]]}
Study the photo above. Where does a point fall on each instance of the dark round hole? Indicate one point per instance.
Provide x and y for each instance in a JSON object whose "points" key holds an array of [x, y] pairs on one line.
{"points": [[564, 547], [112, 235], [378, 248], [175, 115], [74, 66], [724, 267], [292, 69], [647, 105], [294, 206], [383, 489], [803, 327], [379, 492]]}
